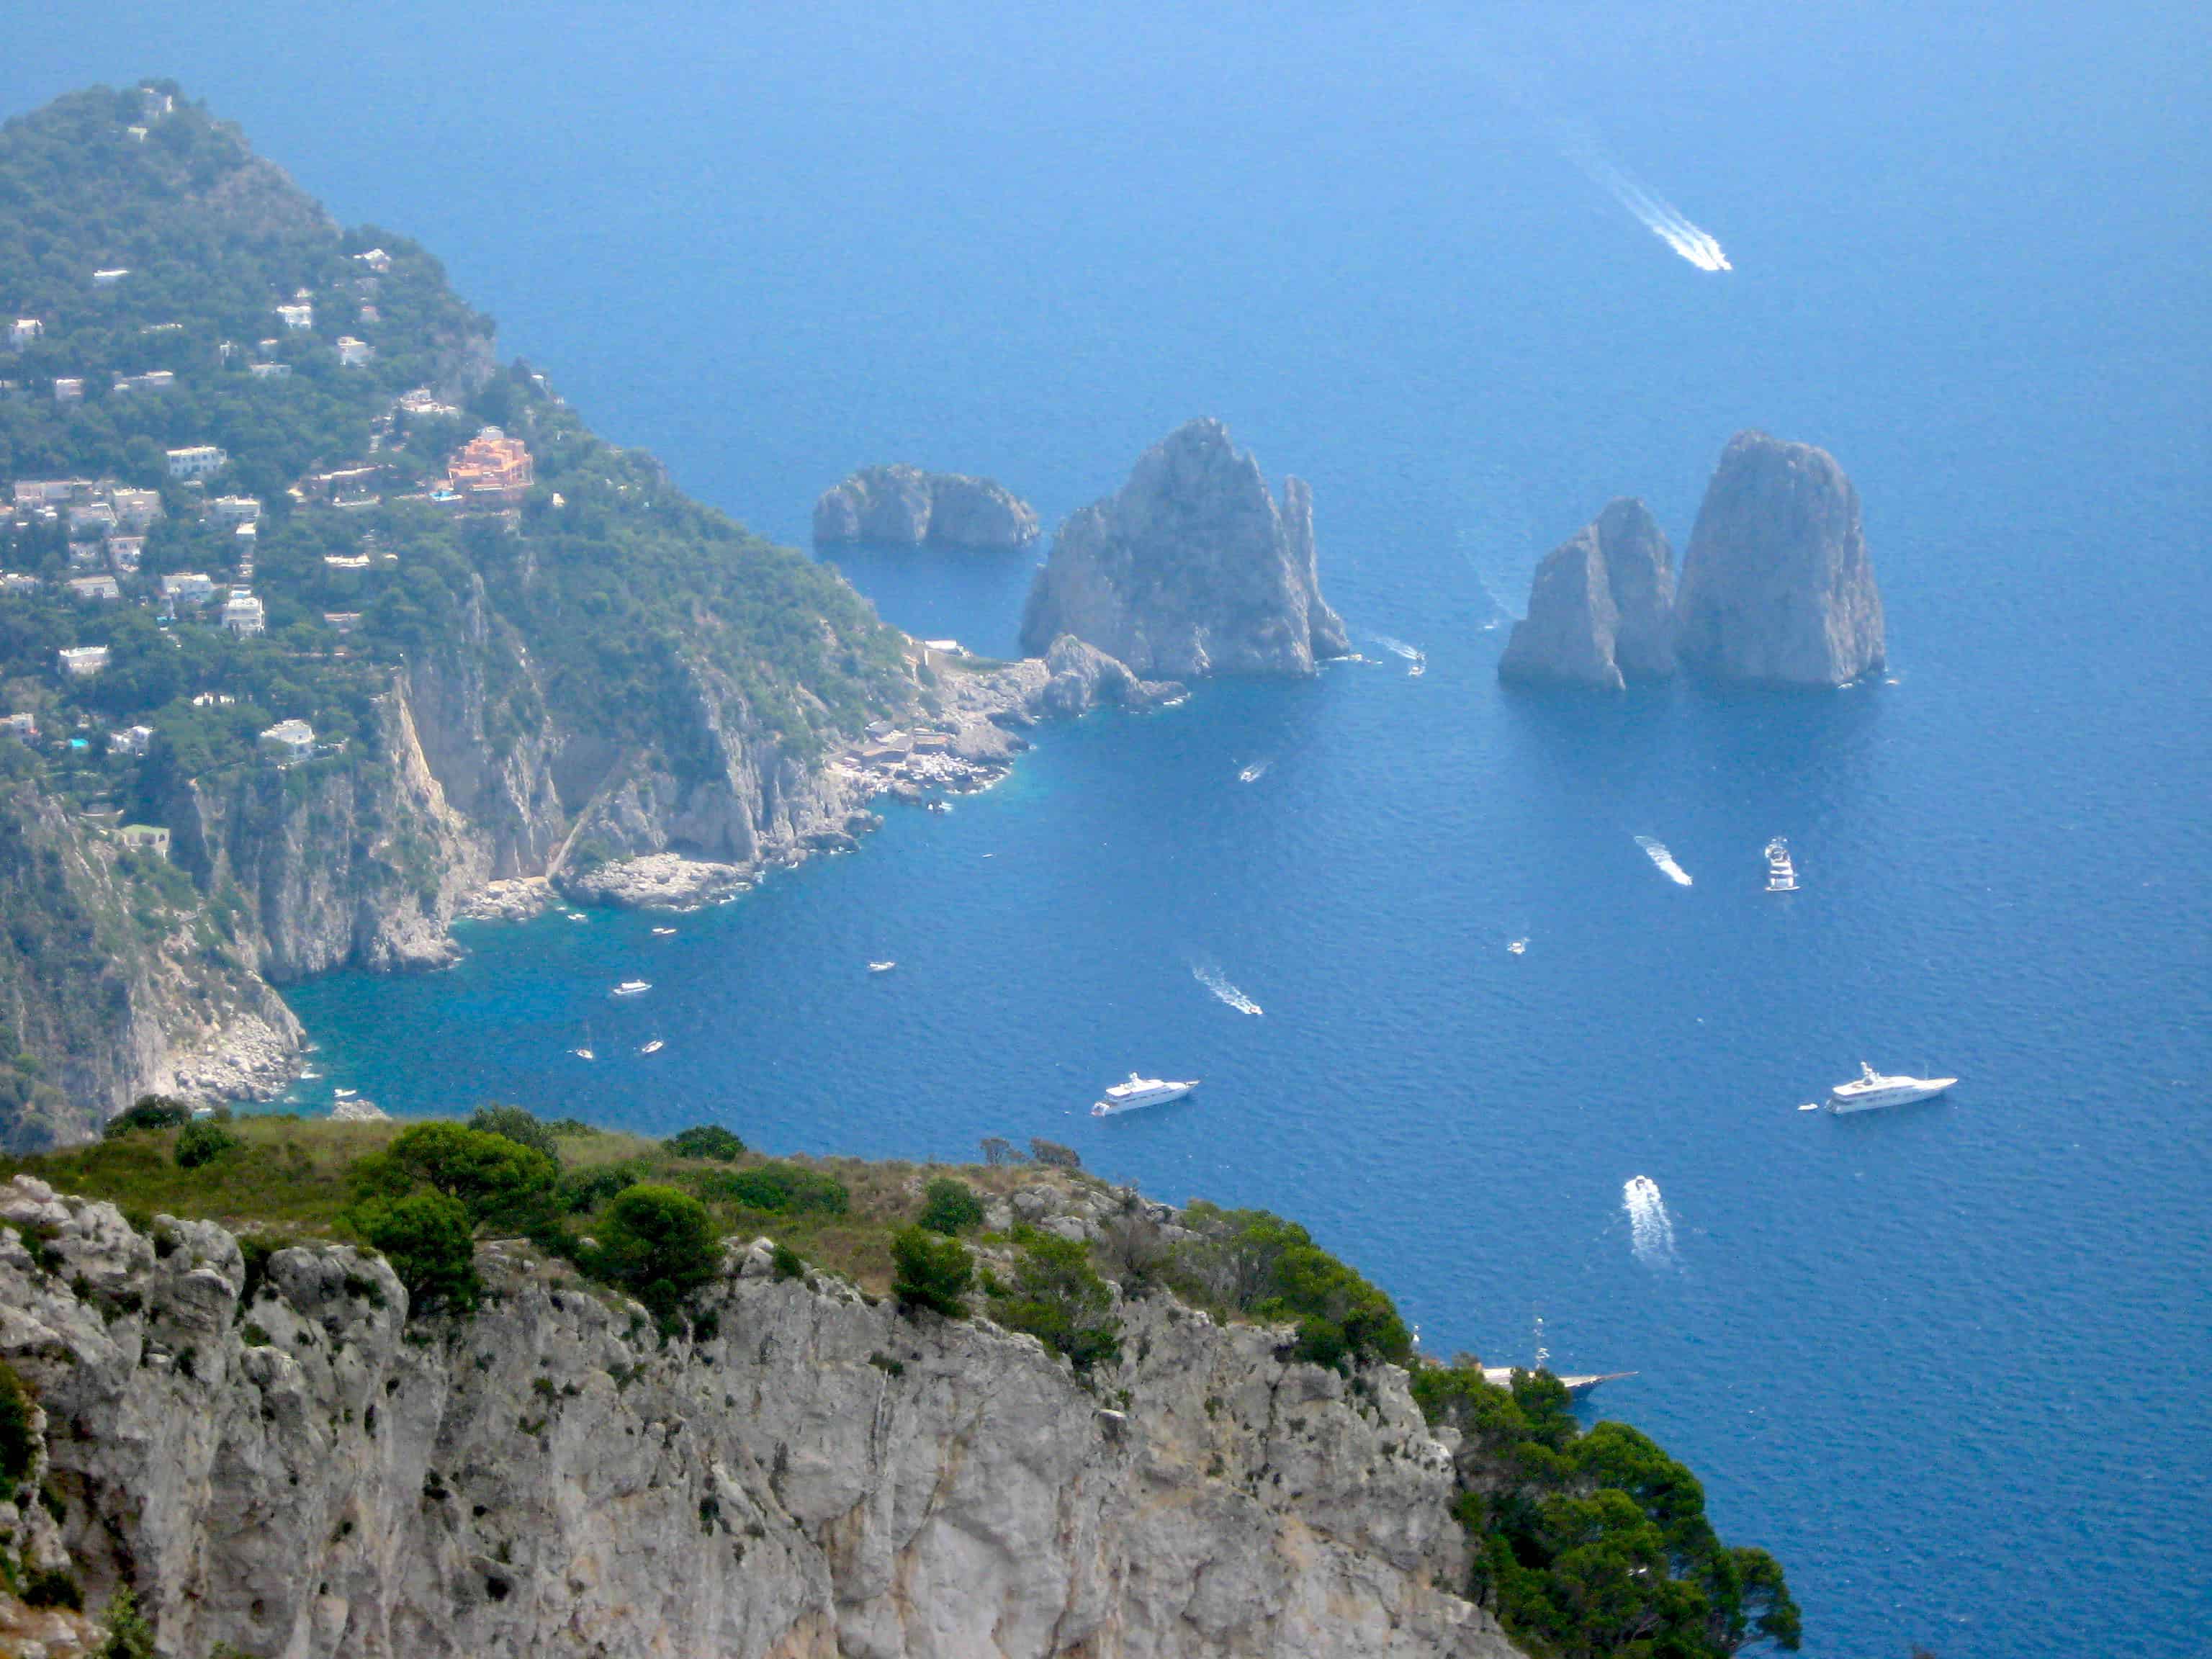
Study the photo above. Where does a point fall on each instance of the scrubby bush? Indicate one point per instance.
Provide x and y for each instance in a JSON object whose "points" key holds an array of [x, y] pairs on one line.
{"points": [[19, 1447], [929, 1271], [497, 1180], [709, 1141], [1583, 1540], [1051, 1152], [788, 1263], [1059, 1298], [781, 1189], [518, 1124], [203, 1143], [586, 1189], [124, 1632], [1255, 1262], [430, 1242], [150, 1112], [658, 1244], [53, 1587], [950, 1206]]}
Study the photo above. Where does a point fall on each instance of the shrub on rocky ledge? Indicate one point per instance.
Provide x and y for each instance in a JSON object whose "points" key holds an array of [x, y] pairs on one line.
{"points": [[931, 1271], [950, 1206], [658, 1244], [430, 1242]]}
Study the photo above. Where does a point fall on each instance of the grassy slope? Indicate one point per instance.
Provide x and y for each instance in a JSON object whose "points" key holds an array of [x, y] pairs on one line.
{"points": [[291, 1178]]}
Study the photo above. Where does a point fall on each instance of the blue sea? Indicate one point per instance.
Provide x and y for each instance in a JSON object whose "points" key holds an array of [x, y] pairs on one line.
{"points": [[1947, 1362]]}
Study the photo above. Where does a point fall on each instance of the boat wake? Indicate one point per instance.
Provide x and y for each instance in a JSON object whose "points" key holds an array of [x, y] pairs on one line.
{"points": [[1700, 247], [1224, 993], [1256, 771], [1656, 852], [1416, 661], [1651, 1229]]}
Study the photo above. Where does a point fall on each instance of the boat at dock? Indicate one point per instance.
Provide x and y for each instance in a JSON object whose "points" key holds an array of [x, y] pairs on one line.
{"points": [[1139, 1092], [1870, 1089], [1781, 873]]}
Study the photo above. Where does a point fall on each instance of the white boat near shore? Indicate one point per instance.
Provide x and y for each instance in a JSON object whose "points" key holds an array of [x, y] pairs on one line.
{"points": [[1139, 1092]]}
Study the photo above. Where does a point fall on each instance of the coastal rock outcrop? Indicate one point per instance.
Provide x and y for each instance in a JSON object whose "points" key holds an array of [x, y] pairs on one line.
{"points": [[280, 1460], [1191, 568], [1776, 587], [1083, 677], [1601, 610], [904, 505]]}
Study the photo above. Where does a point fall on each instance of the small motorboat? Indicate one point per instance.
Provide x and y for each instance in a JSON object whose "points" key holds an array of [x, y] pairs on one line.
{"points": [[631, 988], [1519, 947], [1781, 874], [344, 1094], [575, 915], [939, 807], [881, 966], [653, 1047], [583, 1053], [663, 932]]}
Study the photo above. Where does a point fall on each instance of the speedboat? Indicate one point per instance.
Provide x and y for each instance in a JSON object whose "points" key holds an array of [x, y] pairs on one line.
{"points": [[662, 932], [583, 1053], [1870, 1089], [653, 1047], [1138, 1092], [631, 988], [881, 966], [1519, 947], [1781, 874]]}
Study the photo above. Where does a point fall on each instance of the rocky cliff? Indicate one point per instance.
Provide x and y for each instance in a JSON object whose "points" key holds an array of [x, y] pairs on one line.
{"points": [[1191, 568], [280, 1460], [1776, 587], [904, 505], [1601, 610]]}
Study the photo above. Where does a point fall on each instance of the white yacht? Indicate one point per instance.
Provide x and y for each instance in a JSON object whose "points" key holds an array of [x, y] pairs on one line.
{"points": [[884, 967], [631, 988], [1870, 1089], [1781, 874], [1139, 1091]]}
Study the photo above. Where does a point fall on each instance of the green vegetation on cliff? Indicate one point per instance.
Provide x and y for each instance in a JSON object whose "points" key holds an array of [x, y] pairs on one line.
{"points": [[573, 632]]}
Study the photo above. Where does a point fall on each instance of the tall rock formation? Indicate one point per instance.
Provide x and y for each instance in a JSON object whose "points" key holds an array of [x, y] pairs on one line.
{"points": [[1193, 568], [1601, 610], [1777, 587], [281, 1462], [905, 506]]}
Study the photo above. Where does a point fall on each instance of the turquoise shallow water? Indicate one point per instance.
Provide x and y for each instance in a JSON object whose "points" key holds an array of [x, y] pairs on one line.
{"points": [[1942, 1360]]}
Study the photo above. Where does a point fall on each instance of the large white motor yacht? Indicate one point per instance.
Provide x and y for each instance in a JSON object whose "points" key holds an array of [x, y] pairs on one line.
{"points": [[1140, 1091], [1870, 1089]]}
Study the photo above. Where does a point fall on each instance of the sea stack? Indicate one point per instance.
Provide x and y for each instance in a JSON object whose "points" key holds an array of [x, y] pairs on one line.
{"points": [[906, 507], [1777, 587], [1191, 568], [1601, 610]]}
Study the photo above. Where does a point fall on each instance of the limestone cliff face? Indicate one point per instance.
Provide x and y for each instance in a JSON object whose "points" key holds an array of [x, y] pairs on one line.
{"points": [[1776, 587], [1191, 568], [1601, 610], [311, 1476], [904, 505]]}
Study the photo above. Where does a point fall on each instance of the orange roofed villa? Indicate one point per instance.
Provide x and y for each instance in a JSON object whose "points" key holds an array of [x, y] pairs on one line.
{"points": [[490, 470]]}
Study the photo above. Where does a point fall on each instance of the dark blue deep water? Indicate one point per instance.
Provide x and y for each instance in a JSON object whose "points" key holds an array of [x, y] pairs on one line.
{"points": [[1947, 1362]]}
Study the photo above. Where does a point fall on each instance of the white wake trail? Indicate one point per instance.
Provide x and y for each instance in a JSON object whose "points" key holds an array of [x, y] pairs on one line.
{"points": [[1661, 218], [1657, 852], [1256, 771], [1225, 993], [1651, 1229], [1417, 661]]}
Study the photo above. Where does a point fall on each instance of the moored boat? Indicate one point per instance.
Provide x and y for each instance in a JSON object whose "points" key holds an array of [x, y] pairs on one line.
{"points": [[1870, 1089], [1781, 873], [1138, 1092]]}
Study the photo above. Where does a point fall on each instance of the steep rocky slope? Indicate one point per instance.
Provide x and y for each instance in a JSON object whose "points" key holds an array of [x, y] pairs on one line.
{"points": [[1776, 587], [1191, 568], [904, 505], [309, 1473], [1600, 609]]}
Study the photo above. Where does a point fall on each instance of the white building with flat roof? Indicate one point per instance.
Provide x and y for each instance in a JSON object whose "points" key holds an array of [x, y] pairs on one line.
{"points": [[289, 741], [100, 589], [235, 509], [352, 353], [242, 614], [296, 317], [187, 587], [23, 331], [195, 461], [82, 662]]}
